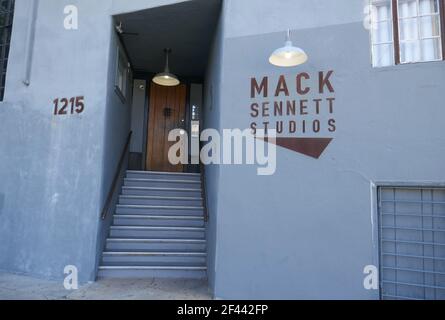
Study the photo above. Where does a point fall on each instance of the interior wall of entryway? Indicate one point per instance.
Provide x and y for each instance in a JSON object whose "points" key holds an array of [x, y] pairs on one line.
{"points": [[116, 130], [139, 110]]}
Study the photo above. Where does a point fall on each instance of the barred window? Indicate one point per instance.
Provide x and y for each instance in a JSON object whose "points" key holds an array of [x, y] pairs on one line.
{"points": [[412, 243], [6, 17]]}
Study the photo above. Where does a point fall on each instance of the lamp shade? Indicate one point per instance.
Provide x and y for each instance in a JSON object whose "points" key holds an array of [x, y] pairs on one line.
{"points": [[166, 78], [289, 55]]}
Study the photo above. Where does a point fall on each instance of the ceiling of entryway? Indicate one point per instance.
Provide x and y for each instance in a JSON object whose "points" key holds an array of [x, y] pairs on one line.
{"points": [[187, 28]]}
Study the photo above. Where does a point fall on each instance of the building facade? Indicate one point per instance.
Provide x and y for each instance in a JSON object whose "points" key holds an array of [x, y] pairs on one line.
{"points": [[359, 180]]}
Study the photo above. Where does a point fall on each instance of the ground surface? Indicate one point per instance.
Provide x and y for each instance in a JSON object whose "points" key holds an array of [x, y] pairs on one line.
{"points": [[16, 287]]}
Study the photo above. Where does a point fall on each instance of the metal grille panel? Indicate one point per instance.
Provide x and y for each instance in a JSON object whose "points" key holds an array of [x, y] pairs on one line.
{"points": [[412, 243], [6, 18]]}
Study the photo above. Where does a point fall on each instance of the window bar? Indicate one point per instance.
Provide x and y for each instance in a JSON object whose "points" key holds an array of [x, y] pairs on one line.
{"points": [[419, 285], [411, 256], [426, 243], [395, 243], [400, 297], [423, 245], [395, 21], [411, 229], [415, 270], [434, 239], [380, 223], [413, 215], [414, 201], [419, 34]]}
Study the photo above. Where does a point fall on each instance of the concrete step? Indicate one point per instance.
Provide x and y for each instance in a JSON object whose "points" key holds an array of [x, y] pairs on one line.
{"points": [[138, 272], [158, 183], [163, 175], [153, 220], [196, 259], [157, 232], [160, 201], [158, 228], [179, 245], [159, 210], [163, 192]]}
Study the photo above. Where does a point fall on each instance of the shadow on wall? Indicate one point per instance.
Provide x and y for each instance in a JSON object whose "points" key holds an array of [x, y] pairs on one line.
{"points": [[116, 130], [2, 202]]}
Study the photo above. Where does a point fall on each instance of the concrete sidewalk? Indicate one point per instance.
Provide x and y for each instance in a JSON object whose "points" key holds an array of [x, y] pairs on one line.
{"points": [[17, 287]]}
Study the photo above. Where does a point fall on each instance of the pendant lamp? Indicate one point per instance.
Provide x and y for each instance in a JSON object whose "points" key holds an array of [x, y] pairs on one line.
{"points": [[289, 55], [166, 78]]}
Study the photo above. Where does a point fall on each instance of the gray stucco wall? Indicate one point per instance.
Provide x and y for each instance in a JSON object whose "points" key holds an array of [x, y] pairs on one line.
{"points": [[305, 232], [211, 119], [138, 116], [56, 170], [117, 127], [308, 231], [50, 177]]}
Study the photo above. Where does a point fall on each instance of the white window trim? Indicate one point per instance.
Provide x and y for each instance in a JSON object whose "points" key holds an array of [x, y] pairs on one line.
{"points": [[396, 42], [122, 92]]}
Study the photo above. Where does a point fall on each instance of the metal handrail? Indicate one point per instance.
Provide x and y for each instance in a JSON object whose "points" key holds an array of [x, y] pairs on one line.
{"points": [[203, 188], [203, 192], [116, 178]]}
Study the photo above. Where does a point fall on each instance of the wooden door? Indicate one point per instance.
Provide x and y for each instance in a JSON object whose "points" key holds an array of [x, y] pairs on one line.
{"points": [[166, 112]]}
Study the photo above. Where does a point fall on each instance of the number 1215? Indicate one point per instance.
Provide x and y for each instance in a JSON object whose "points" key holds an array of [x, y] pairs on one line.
{"points": [[64, 106]]}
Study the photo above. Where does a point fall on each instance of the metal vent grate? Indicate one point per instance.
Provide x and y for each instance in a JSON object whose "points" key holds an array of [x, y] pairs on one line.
{"points": [[6, 16], [412, 243]]}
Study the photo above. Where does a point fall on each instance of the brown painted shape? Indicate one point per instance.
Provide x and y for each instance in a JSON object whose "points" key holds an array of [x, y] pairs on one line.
{"points": [[312, 147]]}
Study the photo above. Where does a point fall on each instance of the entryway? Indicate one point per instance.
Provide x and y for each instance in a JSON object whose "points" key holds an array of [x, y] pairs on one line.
{"points": [[159, 225], [186, 30]]}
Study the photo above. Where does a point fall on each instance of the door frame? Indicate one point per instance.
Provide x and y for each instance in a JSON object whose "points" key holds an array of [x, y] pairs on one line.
{"points": [[148, 77]]}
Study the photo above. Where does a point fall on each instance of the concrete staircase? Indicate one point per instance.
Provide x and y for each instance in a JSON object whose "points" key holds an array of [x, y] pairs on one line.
{"points": [[158, 229]]}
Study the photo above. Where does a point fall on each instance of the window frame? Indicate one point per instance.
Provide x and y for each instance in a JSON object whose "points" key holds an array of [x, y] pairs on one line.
{"points": [[121, 57], [389, 42], [396, 33], [6, 45], [396, 26], [442, 25], [423, 189]]}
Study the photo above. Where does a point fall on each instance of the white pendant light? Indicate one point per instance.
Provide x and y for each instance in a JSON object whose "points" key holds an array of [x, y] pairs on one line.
{"points": [[166, 78], [288, 56]]}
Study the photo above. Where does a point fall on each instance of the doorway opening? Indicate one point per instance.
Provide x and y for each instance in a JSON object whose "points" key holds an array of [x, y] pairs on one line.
{"points": [[159, 227], [187, 28]]}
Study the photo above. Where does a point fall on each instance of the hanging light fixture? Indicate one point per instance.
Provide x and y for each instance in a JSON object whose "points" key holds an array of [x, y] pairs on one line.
{"points": [[166, 78], [288, 56]]}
